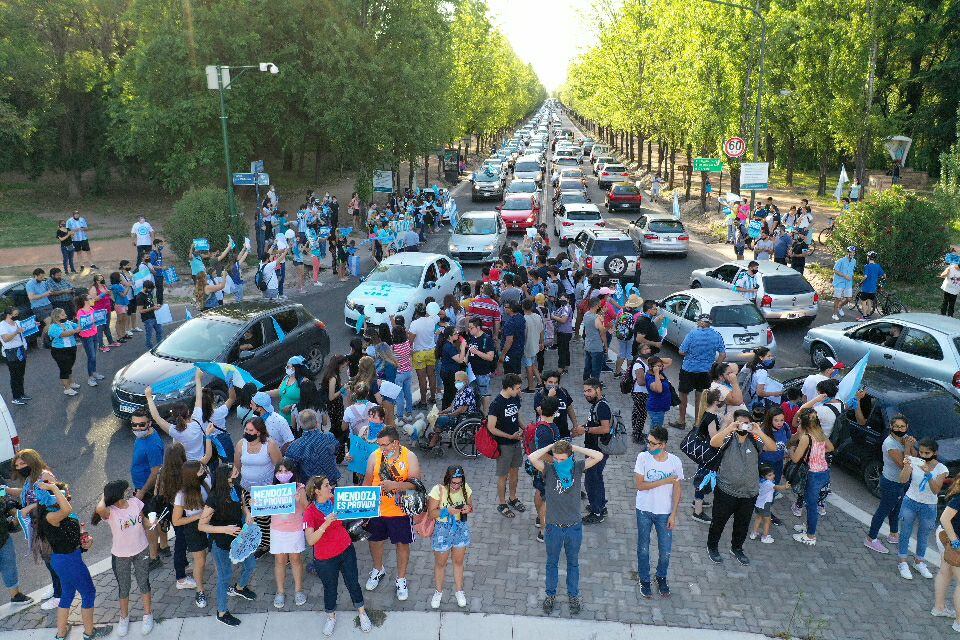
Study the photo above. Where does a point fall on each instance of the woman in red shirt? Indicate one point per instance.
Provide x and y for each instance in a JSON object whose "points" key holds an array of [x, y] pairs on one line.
{"points": [[333, 553]]}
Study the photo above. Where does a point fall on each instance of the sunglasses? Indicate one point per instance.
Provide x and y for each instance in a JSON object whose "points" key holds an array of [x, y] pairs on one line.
{"points": [[142, 425]]}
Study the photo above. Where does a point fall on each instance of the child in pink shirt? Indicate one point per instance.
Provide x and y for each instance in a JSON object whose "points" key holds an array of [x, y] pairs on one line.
{"points": [[287, 539]]}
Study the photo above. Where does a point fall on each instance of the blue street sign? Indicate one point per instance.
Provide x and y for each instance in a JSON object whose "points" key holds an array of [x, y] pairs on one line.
{"points": [[251, 179], [256, 166]]}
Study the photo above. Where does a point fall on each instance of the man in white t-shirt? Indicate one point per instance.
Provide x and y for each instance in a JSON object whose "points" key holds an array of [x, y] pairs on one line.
{"points": [[141, 234], [828, 369], [270, 276], [424, 358], [659, 477]]}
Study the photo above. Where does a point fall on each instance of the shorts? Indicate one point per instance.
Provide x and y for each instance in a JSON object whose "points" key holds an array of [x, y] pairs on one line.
{"points": [[625, 349], [511, 457], [511, 364], [298, 263], [271, 294], [450, 535], [539, 485], [424, 359], [195, 540], [398, 528], [843, 292], [287, 541], [483, 385], [764, 510], [693, 381], [81, 245], [528, 362], [868, 296]]}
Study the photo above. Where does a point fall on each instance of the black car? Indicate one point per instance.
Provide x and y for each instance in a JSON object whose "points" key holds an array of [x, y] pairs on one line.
{"points": [[932, 412], [13, 293], [243, 334]]}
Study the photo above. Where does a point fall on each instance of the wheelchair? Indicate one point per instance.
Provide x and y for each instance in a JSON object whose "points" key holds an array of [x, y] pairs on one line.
{"points": [[462, 437]]}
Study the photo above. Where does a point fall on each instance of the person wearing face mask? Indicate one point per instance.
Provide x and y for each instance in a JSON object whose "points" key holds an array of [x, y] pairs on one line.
{"points": [[100, 292], [895, 449], [277, 426], [145, 466], [746, 282], [288, 393], [81, 241], [188, 503], [925, 475], [61, 291], [566, 417], [14, 347], [129, 550], [811, 446], [464, 402], [287, 541], [762, 391]]}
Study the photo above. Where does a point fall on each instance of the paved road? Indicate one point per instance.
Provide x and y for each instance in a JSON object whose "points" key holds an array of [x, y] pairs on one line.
{"points": [[82, 441]]}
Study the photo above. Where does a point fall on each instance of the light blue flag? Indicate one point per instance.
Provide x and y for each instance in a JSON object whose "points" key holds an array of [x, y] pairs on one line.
{"points": [[187, 315], [280, 333], [229, 373], [851, 382], [360, 322], [360, 451], [174, 382], [663, 326]]}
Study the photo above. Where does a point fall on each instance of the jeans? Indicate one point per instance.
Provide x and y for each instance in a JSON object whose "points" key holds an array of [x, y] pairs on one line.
{"points": [[90, 348], [596, 491], [105, 333], [645, 522], [329, 572], [151, 328], [891, 497], [238, 291], [925, 515], [593, 363], [8, 565], [404, 405], [563, 349], [724, 506], [949, 302], [816, 480], [656, 418], [568, 540], [225, 574], [67, 255], [281, 276]]}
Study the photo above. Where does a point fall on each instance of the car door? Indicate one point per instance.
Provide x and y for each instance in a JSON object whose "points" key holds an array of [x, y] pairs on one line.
{"points": [[16, 296], [292, 325], [879, 338], [637, 229], [259, 350], [919, 354], [673, 308], [448, 278], [688, 322]]}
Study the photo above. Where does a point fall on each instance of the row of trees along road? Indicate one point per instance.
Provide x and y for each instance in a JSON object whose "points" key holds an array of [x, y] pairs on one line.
{"points": [[119, 85]]}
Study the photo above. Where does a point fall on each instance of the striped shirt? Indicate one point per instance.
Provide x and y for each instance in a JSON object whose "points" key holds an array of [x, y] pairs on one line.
{"points": [[402, 351], [486, 309]]}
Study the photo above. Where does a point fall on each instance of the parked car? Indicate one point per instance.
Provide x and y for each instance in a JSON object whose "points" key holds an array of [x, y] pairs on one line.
{"points": [[782, 293], [922, 345], [623, 196], [487, 185], [608, 253], [13, 293], [734, 317], [519, 212], [932, 412], [242, 334], [659, 233], [478, 237], [587, 146], [575, 218], [611, 173]]}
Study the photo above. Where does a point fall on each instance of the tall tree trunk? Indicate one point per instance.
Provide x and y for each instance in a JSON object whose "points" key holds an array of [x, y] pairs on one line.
{"points": [[302, 153], [669, 166], [770, 154], [660, 156], [288, 159], [426, 170], [410, 172], [689, 171], [316, 161], [791, 157], [649, 153], [824, 167]]}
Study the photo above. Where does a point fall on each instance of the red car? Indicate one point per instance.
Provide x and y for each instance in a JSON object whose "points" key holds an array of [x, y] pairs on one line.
{"points": [[519, 211], [623, 196]]}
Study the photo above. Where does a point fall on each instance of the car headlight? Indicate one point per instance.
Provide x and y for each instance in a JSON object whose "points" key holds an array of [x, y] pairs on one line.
{"points": [[490, 247], [350, 304], [453, 248], [403, 306], [117, 381]]}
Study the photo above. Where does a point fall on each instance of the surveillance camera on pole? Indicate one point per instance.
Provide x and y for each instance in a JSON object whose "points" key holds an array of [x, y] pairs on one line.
{"points": [[269, 67]]}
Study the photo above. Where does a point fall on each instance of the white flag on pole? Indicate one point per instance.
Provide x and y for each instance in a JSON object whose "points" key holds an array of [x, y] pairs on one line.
{"points": [[838, 192]]}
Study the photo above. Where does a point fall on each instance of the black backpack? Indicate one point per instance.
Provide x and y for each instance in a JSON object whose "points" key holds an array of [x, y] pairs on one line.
{"points": [[259, 280]]}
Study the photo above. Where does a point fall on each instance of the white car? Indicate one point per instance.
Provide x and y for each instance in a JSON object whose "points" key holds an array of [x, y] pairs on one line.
{"points": [[9, 440], [574, 218], [782, 293], [599, 150], [400, 282], [611, 173]]}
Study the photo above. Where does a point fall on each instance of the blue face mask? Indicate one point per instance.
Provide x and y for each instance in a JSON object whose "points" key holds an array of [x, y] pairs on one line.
{"points": [[656, 452], [564, 471]]}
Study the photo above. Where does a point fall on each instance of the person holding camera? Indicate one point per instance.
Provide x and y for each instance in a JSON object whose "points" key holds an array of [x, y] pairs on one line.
{"points": [[737, 483], [449, 504]]}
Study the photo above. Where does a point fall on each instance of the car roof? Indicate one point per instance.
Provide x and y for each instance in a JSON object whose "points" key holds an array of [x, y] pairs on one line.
{"points": [[932, 321], [656, 216], [572, 192], [247, 310], [712, 296], [517, 196], [417, 258], [577, 206], [478, 214], [608, 234], [889, 385], [570, 170], [768, 267]]}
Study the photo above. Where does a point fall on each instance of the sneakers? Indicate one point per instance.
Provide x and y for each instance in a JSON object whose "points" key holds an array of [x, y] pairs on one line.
{"points": [[740, 556], [50, 604], [402, 592], [20, 598], [922, 569], [797, 511], [99, 376], [576, 604], [279, 600], [822, 510], [461, 599], [904, 571], [299, 598], [18, 401], [754, 535], [435, 600], [893, 538], [540, 537], [946, 612], [768, 539], [186, 583], [715, 555], [329, 626], [703, 517], [365, 624], [104, 349], [74, 385], [834, 317], [374, 580], [875, 545], [955, 626], [805, 539], [229, 619], [548, 604], [123, 627], [646, 591], [98, 632], [242, 592], [69, 392], [92, 382], [200, 600], [138, 330], [800, 528], [147, 625], [663, 587], [593, 518]]}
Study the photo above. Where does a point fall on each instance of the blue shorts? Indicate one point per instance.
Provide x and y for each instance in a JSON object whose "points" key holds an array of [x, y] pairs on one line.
{"points": [[625, 349], [483, 384], [528, 362], [451, 535], [398, 528]]}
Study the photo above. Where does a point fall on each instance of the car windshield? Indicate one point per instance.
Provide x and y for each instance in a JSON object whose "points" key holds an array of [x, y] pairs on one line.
{"points": [[786, 285], [518, 186], [198, 340], [583, 215], [570, 185], [573, 198], [528, 167], [625, 190], [936, 417], [483, 176], [405, 274], [615, 168], [517, 204], [566, 162], [736, 315], [604, 160], [612, 248], [666, 226], [476, 226]]}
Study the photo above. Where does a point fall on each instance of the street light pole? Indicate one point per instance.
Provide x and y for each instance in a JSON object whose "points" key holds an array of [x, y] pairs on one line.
{"points": [[763, 44], [231, 198]]}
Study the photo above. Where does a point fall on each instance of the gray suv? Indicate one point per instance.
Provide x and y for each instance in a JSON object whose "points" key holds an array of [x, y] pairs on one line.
{"points": [[608, 253]]}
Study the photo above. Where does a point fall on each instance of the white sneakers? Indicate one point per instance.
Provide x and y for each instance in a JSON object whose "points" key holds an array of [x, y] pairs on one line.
{"points": [[403, 593], [329, 626], [922, 569], [147, 625], [904, 571], [69, 392], [767, 539], [365, 624], [123, 627], [435, 600], [92, 381], [49, 605], [461, 599], [946, 612], [376, 575], [186, 583]]}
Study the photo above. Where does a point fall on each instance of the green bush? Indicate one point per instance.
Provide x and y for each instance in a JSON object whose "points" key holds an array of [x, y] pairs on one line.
{"points": [[911, 232], [203, 213]]}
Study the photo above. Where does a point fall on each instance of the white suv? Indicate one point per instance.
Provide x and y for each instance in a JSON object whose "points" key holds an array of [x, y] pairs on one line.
{"points": [[608, 253]]}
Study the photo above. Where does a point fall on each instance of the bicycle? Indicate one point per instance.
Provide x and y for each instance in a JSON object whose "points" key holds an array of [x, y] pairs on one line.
{"points": [[886, 302], [826, 233]]}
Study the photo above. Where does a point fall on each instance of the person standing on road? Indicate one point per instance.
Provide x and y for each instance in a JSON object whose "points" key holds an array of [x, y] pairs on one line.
{"points": [[800, 250], [658, 389], [700, 349], [562, 479], [81, 241], [38, 292], [950, 288], [88, 337], [100, 292], [658, 475], [926, 475], [645, 330], [746, 283], [449, 505], [562, 317], [514, 337], [533, 344], [737, 483], [594, 431], [287, 539], [812, 447], [843, 281], [950, 524], [545, 433], [873, 273], [63, 348], [147, 305], [895, 448], [315, 452], [566, 415], [481, 358], [423, 336], [141, 235], [187, 491], [504, 424], [65, 238], [594, 338], [61, 291]]}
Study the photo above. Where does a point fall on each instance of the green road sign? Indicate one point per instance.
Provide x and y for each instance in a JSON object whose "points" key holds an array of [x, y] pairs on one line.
{"points": [[713, 165]]}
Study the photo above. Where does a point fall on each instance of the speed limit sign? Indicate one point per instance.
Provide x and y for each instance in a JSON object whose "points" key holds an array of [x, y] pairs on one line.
{"points": [[734, 147]]}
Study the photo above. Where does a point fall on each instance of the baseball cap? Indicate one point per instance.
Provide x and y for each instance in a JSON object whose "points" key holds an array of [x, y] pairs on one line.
{"points": [[262, 399], [851, 249], [705, 317], [294, 360], [433, 309]]}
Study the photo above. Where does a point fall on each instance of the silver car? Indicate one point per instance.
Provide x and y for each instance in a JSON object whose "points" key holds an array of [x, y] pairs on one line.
{"points": [[478, 237], [659, 233], [782, 293], [528, 168], [734, 317], [922, 345]]}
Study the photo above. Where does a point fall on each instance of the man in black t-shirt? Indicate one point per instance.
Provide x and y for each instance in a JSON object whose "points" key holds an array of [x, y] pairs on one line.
{"points": [[566, 417], [148, 316], [645, 328], [598, 426], [504, 424], [482, 359], [798, 252]]}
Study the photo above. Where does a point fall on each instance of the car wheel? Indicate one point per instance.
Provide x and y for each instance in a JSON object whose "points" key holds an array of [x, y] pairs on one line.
{"points": [[315, 357], [820, 352], [695, 284], [615, 266], [872, 472]]}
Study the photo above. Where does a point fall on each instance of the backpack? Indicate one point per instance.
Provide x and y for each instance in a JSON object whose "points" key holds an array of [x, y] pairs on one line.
{"points": [[615, 442], [627, 380], [259, 280], [623, 327], [486, 445], [744, 380]]}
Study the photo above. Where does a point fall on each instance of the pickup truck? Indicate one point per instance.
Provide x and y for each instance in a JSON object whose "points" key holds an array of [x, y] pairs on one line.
{"points": [[623, 196]]}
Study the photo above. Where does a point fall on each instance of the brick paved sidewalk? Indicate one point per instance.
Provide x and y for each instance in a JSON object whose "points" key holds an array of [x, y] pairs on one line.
{"points": [[837, 589]]}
